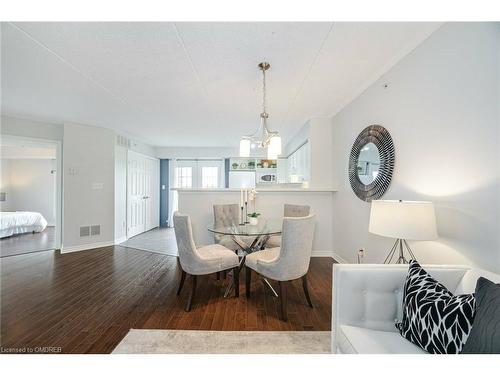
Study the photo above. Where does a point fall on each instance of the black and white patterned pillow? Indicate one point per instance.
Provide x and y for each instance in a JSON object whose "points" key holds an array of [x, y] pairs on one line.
{"points": [[433, 318]]}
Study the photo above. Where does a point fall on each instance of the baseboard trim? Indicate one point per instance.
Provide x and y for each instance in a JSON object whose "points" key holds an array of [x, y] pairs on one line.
{"points": [[87, 246], [120, 240], [321, 253], [338, 258]]}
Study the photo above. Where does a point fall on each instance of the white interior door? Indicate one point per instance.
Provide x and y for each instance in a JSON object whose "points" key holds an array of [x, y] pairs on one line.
{"points": [[136, 193], [143, 193]]}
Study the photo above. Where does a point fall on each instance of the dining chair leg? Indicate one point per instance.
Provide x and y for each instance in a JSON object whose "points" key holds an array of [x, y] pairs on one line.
{"points": [[218, 275], [236, 281], [181, 283], [282, 296], [248, 280], [224, 274], [191, 295], [306, 290]]}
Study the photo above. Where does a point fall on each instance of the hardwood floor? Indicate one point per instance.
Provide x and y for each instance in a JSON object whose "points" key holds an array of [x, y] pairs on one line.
{"points": [[28, 242], [86, 302]]}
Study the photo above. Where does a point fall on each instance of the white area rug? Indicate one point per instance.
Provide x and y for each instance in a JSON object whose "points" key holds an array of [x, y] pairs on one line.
{"points": [[158, 341]]}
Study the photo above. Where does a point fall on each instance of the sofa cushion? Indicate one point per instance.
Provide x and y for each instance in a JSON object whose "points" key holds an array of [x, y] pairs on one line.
{"points": [[358, 340], [484, 336], [433, 318]]}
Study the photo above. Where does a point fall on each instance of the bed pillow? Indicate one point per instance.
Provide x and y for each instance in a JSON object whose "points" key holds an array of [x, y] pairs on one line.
{"points": [[484, 336], [433, 318]]}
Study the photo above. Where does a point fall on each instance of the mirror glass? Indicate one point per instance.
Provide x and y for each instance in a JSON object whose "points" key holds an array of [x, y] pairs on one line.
{"points": [[368, 163]]}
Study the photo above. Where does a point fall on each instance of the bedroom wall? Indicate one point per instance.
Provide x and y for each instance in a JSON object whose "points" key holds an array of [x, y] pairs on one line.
{"points": [[33, 187], [5, 184], [441, 108]]}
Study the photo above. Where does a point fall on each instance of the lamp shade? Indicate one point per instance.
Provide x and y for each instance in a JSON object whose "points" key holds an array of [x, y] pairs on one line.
{"points": [[409, 220], [274, 148]]}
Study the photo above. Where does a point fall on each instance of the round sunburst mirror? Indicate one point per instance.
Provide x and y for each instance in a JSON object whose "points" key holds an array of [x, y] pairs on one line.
{"points": [[371, 163]]}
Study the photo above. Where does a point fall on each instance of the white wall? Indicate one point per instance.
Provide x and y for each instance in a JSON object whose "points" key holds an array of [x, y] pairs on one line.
{"points": [[33, 187], [5, 186], [195, 152], [89, 194], [29, 128], [120, 194], [320, 146], [441, 108]]}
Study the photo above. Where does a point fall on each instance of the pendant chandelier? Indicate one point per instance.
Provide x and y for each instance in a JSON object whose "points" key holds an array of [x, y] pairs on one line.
{"points": [[263, 137]]}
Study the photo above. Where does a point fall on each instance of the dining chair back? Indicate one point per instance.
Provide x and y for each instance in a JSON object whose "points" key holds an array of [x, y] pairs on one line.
{"points": [[185, 243], [224, 216], [289, 210], [296, 247], [295, 210]]}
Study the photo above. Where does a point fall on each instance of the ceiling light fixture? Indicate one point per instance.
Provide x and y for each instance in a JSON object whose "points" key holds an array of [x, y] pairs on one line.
{"points": [[263, 137]]}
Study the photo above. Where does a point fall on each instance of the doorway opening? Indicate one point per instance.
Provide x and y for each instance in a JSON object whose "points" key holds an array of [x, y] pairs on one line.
{"points": [[30, 195]]}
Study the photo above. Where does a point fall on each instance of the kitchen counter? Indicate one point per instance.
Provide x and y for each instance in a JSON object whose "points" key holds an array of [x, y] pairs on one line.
{"points": [[259, 190]]}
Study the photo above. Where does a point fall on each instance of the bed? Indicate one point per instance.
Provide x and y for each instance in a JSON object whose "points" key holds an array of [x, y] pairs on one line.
{"points": [[21, 222]]}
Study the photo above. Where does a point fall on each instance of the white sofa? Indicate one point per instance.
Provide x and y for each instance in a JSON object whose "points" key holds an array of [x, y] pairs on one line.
{"points": [[367, 301]]}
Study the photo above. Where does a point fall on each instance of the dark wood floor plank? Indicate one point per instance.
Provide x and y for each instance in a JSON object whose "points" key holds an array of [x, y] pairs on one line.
{"points": [[86, 302]]}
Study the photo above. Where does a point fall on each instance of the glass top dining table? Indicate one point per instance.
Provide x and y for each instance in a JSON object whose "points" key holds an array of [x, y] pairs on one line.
{"points": [[265, 227], [249, 238]]}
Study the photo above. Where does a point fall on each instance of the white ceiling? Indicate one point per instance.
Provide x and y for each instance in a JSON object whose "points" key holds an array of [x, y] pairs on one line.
{"points": [[194, 84]]}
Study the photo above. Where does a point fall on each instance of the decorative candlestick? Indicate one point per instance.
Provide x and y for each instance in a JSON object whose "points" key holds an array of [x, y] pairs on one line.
{"points": [[242, 220], [246, 213]]}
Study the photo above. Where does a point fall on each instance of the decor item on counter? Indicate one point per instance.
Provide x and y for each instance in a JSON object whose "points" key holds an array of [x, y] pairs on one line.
{"points": [[267, 163], [251, 164], [263, 137], [484, 337], [235, 165], [243, 166], [244, 203], [371, 163], [433, 318], [254, 218], [403, 220], [252, 197]]}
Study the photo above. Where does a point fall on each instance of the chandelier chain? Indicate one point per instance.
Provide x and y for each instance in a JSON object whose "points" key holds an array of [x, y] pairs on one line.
{"points": [[264, 90]]}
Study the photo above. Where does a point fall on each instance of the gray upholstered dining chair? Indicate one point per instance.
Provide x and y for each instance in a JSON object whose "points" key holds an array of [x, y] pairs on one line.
{"points": [[202, 260], [226, 215], [289, 210], [285, 263]]}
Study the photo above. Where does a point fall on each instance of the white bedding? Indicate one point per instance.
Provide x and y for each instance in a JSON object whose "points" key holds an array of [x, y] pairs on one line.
{"points": [[21, 222]]}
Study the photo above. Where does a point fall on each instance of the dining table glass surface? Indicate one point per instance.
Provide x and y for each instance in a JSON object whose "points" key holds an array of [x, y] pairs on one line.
{"points": [[264, 227]]}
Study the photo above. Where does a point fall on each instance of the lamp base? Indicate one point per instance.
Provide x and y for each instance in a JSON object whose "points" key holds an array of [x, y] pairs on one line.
{"points": [[399, 245]]}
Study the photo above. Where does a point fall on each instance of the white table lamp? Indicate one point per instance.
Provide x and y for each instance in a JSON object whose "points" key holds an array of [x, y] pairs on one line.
{"points": [[403, 220]]}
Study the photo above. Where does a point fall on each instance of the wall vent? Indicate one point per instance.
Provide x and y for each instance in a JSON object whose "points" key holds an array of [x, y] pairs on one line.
{"points": [[123, 141], [84, 231], [95, 230]]}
